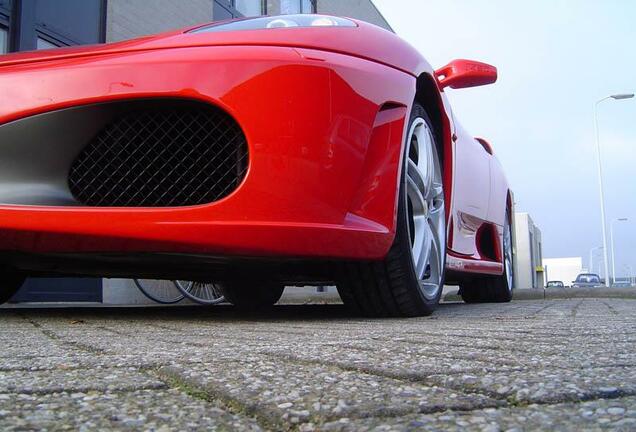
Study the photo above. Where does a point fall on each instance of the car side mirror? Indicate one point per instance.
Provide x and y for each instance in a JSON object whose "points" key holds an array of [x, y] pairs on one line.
{"points": [[465, 73]]}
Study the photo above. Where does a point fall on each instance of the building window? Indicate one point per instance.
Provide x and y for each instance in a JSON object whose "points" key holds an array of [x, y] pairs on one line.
{"points": [[307, 6], [249, 8], [4, 40], [45, 44], [5, 12], [287, 7]]}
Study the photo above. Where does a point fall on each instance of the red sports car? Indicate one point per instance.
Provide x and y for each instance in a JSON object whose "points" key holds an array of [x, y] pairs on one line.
{"points": [[258, 153]]}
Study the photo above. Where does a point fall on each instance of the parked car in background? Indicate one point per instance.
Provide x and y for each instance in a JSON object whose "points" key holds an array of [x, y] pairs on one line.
{"points": [[555, 284], [622, 283], [587, 280]]}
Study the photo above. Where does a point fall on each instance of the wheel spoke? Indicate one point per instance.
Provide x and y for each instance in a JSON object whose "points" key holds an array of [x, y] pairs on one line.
{"points": [[418, 177], [425, 194], [420, 206], [434, 192], [200, 292], [423, 255]]}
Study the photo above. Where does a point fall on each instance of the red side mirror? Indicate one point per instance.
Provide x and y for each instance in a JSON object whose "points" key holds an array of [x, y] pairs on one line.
{"points": [[465, 73]]}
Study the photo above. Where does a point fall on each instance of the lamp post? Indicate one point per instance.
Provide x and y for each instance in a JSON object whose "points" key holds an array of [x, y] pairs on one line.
{"points": [[620, 96], [629, 274], [591, 270], [612, 246]]}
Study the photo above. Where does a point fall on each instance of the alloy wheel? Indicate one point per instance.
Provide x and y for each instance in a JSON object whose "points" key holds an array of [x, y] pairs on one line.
{"points": [[507, 246], [426, 216]]}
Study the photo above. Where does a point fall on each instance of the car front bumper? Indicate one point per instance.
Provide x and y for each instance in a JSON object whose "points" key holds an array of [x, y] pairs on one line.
{"points": [[324, 134]]}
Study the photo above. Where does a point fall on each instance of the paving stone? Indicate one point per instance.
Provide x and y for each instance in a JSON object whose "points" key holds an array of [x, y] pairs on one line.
{"points": [[409, 362], [614, 414], [156, 410], [304, 368], [76, 380], [27, 342], [547, 386], [298, 393]]}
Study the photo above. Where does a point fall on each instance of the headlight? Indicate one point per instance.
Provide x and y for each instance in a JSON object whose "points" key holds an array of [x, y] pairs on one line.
{"points": [[282, 21]]}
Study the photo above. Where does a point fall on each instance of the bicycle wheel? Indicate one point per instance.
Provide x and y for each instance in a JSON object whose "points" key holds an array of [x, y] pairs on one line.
{"points": [[160, 291], [205, 293]]}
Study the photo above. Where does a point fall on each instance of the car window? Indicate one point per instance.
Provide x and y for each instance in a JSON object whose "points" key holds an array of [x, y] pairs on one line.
{"points": [[588, 278]]}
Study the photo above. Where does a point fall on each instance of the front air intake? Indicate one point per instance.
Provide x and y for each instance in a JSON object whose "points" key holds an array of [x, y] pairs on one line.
{"points": [[173, 153]]}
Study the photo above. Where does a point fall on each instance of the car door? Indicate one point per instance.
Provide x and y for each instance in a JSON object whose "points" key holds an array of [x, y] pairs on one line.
{"points": [[471, 191]]}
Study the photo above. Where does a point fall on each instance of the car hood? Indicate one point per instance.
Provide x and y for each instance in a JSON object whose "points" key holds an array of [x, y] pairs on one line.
{"points": [[365, 41]]}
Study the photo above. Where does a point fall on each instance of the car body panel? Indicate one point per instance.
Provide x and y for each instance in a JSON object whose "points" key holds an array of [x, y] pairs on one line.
{"points": [[471, 191], [324, 112], [289, 188]]}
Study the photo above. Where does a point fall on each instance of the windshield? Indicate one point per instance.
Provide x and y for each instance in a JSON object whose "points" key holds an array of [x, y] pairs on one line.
{"points": [[589, 278]]}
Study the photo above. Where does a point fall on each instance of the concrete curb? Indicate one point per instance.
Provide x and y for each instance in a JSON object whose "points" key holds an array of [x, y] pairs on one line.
{"points": [[563, 293]]}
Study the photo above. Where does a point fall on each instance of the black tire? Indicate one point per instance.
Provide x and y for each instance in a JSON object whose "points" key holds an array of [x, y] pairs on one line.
{"points": [[491, 289], [251, 295], [390, 287], [10, 284]]}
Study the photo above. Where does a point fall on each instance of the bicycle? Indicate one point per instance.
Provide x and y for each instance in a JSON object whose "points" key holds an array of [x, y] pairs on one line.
{"points": [[205, 293], [159, 291], [163, 291]]}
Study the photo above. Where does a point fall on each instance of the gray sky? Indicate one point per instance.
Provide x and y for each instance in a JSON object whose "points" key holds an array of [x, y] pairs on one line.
{"points": [[555, 59]]}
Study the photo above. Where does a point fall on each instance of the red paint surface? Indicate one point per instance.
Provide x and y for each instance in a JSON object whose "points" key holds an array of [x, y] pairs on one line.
{"points": [[324, 154], [465, 73]]}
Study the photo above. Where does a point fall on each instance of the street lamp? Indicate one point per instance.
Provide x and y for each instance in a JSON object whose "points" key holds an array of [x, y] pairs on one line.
{"points": [[591, 270], [629, 273], [619, 96], [612, 246]]}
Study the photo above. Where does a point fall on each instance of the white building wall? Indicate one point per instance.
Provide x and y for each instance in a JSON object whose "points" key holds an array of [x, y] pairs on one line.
{"points": [[123, 292], [528, 252], [563, 269]]}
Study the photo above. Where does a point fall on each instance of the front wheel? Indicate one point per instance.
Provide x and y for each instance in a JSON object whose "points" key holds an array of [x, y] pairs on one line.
{"points": [[409, 281]]}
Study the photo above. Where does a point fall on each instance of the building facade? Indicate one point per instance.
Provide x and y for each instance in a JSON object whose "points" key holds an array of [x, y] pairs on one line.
{"points": [[39, 24], [528, 267], [42, 24], [562, 269]]}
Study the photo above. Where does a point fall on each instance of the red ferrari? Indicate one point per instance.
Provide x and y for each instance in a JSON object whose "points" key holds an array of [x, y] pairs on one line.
{"points": [[258, 153]]}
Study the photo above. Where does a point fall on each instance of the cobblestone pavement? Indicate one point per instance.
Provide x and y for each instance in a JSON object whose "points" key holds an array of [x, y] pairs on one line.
{"points": [[555, 364]]}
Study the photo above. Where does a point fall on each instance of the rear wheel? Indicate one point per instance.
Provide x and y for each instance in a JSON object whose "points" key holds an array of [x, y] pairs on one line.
{"points": [[409, 281], [10, 284], [250, 295], [493, 289]]}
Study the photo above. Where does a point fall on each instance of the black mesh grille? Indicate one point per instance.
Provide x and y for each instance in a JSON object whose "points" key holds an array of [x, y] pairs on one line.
{"points": [[161, 156]]}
